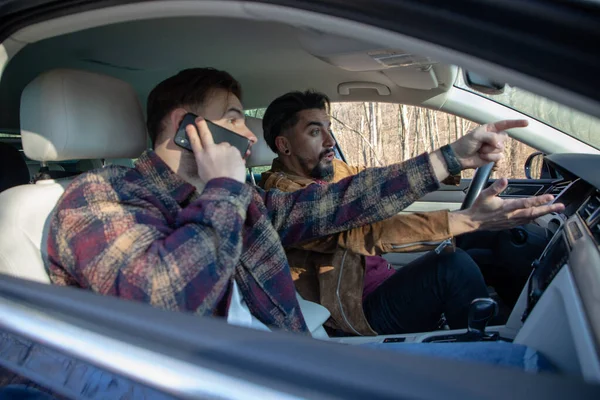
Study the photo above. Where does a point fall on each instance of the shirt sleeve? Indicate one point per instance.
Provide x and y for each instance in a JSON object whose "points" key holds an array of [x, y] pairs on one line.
{"points": [[125, 244], [401, 233], [369, 196]]}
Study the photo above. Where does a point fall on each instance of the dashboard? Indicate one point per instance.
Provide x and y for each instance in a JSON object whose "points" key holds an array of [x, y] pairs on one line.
{"points": [[558, 309], [573, 246]]}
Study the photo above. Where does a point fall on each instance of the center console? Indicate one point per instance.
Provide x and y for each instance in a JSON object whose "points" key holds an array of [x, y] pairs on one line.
{"points": [[481, 311]]}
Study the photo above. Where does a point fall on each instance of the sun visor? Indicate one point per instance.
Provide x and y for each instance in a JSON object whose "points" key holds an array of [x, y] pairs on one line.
{"points": [[420, 77], [403, 68]]}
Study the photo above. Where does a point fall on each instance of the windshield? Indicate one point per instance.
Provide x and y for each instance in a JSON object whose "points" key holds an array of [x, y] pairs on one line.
{"points": [[572, 122]]}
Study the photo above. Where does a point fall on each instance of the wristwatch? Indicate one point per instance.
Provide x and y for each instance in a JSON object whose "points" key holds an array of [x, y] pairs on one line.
{"points": [[452, 162]]}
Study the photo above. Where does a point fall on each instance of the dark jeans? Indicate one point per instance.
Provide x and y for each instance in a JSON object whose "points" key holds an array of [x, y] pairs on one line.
{"points": [[413, 299]]}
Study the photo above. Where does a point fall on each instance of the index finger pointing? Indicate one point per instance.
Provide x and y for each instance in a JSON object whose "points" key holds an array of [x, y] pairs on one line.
{"points": [[500, 126], [206, 137]]}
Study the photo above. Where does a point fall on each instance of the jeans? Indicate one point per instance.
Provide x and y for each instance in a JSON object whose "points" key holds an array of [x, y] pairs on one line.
{"points": [[413, 299]]}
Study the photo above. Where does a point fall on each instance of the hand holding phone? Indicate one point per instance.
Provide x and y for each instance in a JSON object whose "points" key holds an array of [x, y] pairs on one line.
{"points": [[219, 135], [214, 160]]}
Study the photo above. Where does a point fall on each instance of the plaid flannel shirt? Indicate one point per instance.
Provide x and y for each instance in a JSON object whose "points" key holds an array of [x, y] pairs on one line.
{"points": [[145, 234]]}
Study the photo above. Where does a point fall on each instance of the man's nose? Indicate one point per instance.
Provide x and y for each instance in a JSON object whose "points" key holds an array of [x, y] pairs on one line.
{"points": [[329, 140], [250, 136]]}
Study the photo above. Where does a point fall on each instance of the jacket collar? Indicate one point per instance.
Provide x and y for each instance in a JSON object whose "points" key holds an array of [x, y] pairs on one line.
{"points": [[277, 167], [153, 168]]}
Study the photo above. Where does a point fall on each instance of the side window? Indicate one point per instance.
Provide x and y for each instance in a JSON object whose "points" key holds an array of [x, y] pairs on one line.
{"points": [[376, 134], [256, 112], [259, 169]]}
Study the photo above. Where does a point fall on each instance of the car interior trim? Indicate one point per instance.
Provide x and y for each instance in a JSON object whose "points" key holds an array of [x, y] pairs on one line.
{"points": [[304, 18], [150, 367], [285, 364]]}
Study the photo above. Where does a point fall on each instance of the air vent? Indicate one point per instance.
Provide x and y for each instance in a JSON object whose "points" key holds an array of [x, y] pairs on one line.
{"points": [[595, 229], [558, 187], [589, 210]]}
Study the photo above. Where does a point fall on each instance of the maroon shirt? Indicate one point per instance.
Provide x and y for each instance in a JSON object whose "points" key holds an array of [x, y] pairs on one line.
{"points": [[377, 270]]}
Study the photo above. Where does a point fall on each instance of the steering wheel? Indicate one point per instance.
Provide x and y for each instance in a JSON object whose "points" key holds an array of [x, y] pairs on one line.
{"points": [[482, 175]]}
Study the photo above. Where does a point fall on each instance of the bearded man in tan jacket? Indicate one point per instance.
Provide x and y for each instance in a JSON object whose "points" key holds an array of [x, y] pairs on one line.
{"points": [[345, 272]]}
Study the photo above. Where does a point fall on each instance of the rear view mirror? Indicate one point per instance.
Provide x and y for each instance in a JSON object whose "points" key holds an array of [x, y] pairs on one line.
{"points": [[482, 84]]}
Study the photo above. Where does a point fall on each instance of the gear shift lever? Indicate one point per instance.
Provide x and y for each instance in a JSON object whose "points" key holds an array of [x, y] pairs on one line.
{"points": [[481, 311]]}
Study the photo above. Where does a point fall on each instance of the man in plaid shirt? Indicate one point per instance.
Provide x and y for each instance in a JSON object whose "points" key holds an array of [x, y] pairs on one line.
{"points": [[182, 231]]}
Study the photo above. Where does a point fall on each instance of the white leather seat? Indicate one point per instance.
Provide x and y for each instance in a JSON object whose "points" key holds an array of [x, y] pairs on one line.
{"points": [[24, 212], [65, 115], [262, 154]]}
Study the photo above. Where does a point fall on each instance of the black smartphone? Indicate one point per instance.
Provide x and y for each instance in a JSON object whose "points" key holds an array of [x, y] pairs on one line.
{"points": [[219, 135]]}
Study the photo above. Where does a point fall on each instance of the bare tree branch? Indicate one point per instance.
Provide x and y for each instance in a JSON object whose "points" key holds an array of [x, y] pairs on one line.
{"points": [[363, 137]]}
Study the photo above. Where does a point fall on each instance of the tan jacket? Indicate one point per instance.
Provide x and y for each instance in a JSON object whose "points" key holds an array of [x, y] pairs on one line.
{"points": [[330, 271]]}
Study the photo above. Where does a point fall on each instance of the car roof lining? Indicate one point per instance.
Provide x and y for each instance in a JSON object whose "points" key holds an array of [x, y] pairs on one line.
{"points": [[266, 13], [268, 58]]}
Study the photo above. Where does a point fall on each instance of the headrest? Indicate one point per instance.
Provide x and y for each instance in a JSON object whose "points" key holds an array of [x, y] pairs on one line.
{"points": [[13, 168], [261, 152], [70, 115]]}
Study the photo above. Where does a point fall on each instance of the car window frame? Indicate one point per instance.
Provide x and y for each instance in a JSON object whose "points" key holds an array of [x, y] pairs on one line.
{"points": [[262, 363]]}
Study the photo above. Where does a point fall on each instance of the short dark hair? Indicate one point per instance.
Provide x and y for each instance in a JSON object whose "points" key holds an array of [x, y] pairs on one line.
{"points": [[188, 88], [282, 113]]}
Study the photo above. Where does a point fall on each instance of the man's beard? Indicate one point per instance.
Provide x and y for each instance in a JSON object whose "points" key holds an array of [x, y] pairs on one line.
{"points": [[324, 169]]}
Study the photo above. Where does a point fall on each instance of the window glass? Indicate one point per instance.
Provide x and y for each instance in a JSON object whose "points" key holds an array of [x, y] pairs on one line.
{"points": [[572, 122]]}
